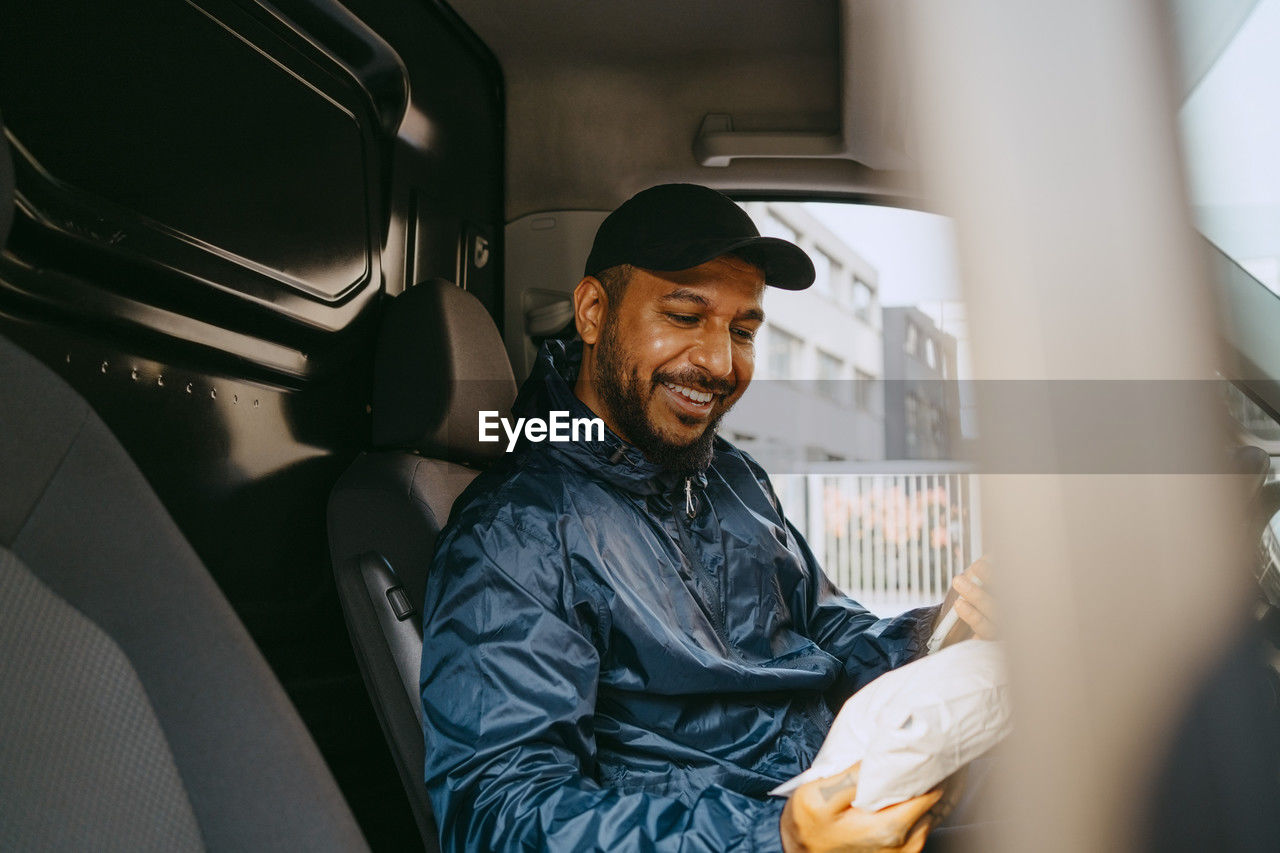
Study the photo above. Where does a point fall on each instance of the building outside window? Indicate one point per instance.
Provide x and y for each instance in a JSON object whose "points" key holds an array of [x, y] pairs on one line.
{"points": [[930, 353], [912, 421], [836, 278], [911, 339], [822, 272], [863, 385], [928, 427], [843, 288], [831, 382], [938, 445], [863, 296], [784, 354]]}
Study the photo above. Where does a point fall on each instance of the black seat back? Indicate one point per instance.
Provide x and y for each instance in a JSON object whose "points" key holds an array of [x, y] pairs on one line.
{"points": [[440, 362]]}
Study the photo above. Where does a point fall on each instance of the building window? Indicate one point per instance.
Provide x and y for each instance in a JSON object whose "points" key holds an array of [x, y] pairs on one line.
{"points": [[929, 437], [831, 382], [829, 366], [824, 270], [843, 290], [831, 276], [784, 354], [863, 385], [863, 296], [911, 418], [938, 432], [931, 353], [912, 339], [928, 429]]}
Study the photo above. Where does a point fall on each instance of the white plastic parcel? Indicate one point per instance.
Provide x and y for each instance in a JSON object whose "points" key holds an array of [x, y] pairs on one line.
{"points": [[916, 725]]}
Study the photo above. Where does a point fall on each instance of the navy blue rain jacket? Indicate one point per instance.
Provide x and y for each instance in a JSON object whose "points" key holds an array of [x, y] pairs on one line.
{"points": [[605, 669]]}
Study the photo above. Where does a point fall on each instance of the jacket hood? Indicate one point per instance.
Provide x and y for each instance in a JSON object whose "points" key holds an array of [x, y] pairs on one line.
{"points": [[550, 388]]}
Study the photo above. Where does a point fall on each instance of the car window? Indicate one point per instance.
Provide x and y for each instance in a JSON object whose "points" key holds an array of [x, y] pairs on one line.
{"points": [[1230, 125], [856, 411], [1253, 424]]}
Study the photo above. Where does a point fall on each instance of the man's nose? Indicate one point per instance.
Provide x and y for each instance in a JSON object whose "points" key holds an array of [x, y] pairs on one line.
{"points": [[714, 353]]}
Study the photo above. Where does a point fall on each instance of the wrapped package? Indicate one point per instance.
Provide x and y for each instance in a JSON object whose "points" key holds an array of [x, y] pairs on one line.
{"points": [[916, 725]]}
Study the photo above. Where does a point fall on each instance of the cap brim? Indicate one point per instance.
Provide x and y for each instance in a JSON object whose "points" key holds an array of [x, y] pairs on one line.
{"points": [[785, 264]]}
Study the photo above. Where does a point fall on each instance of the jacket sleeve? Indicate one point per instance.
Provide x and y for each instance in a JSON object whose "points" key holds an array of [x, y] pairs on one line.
{"points": [[509, 678], [869, 647], [844, 629]]}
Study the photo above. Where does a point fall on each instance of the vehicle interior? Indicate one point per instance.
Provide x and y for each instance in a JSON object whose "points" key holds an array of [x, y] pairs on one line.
{"points": [[267, 259]]}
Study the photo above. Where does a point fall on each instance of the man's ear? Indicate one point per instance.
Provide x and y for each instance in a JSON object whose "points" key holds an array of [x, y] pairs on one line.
{"points": [[590, 304]]}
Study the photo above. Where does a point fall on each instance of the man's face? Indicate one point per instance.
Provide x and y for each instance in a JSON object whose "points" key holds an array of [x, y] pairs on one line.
{"points": [[676, 354]]}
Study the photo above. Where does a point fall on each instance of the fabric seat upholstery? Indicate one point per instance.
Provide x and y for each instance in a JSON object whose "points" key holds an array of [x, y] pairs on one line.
{"points": [[440, 361], [135, 710]]}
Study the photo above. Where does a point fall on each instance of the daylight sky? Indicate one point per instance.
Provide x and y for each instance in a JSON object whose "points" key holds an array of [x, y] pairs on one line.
{"points": [[913, 252]]}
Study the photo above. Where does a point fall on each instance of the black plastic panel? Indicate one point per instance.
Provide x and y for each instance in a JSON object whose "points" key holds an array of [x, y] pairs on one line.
{"points": [[448, 159], [215, 159], [241, 155], [216, 143]]}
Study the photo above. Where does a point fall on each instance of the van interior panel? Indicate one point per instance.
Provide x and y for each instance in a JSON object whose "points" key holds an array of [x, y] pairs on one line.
{"points": [[214, 293]]}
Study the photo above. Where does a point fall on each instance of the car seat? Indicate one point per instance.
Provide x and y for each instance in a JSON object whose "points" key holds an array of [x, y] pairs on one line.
{"points": [[439, 362], [135, 711]]}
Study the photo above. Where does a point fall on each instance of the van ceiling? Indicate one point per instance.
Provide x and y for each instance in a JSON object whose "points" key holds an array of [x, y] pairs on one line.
{"points": [[605, 98]]}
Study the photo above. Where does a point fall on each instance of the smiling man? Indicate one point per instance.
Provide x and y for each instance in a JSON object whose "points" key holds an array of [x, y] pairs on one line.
{"points": [[626, 644], [673, 355]]}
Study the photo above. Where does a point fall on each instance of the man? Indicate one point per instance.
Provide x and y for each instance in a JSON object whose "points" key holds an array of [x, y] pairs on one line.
{"points": [[626, 643]]}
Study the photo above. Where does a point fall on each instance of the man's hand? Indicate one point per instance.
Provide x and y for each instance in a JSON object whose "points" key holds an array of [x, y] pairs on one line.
{"points": [[970, 595], [975, 605], [820, 818]]}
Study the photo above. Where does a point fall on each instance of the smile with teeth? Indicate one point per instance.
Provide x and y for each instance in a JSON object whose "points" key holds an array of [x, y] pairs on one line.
{"points": [[700, 398]]}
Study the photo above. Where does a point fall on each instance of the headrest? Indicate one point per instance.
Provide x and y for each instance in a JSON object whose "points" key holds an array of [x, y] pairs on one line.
{"points": [[439, 363], [6, 186]]}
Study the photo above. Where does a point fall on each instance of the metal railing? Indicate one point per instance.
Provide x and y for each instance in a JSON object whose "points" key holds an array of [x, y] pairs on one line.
{"points": [[892, 541]]}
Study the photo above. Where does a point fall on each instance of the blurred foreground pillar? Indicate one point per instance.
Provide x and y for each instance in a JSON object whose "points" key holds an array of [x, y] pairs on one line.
{"points": [[1046, 129]]}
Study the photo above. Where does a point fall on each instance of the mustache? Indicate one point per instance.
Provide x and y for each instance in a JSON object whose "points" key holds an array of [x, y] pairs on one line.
{"points": [[698, 381]]}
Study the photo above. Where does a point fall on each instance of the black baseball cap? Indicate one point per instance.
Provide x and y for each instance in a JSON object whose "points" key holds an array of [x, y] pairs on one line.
{"points": [[677, 226]]}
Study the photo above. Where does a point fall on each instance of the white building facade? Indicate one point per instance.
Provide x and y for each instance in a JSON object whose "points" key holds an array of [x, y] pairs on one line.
{"points": [[819, 355]]}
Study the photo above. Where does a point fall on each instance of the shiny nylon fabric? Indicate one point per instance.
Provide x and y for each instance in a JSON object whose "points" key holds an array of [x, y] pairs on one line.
{"points": [[601, 671]]}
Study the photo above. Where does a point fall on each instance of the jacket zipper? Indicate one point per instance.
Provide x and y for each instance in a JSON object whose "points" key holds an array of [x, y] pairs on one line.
{"points": [[716, 606]]}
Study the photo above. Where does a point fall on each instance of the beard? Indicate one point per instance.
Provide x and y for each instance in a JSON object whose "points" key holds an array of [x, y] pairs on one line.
{"points": [[625, 394]]}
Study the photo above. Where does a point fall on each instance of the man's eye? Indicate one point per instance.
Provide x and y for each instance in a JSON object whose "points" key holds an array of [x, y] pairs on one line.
{"points": [[685, 319], [745, 334]]}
